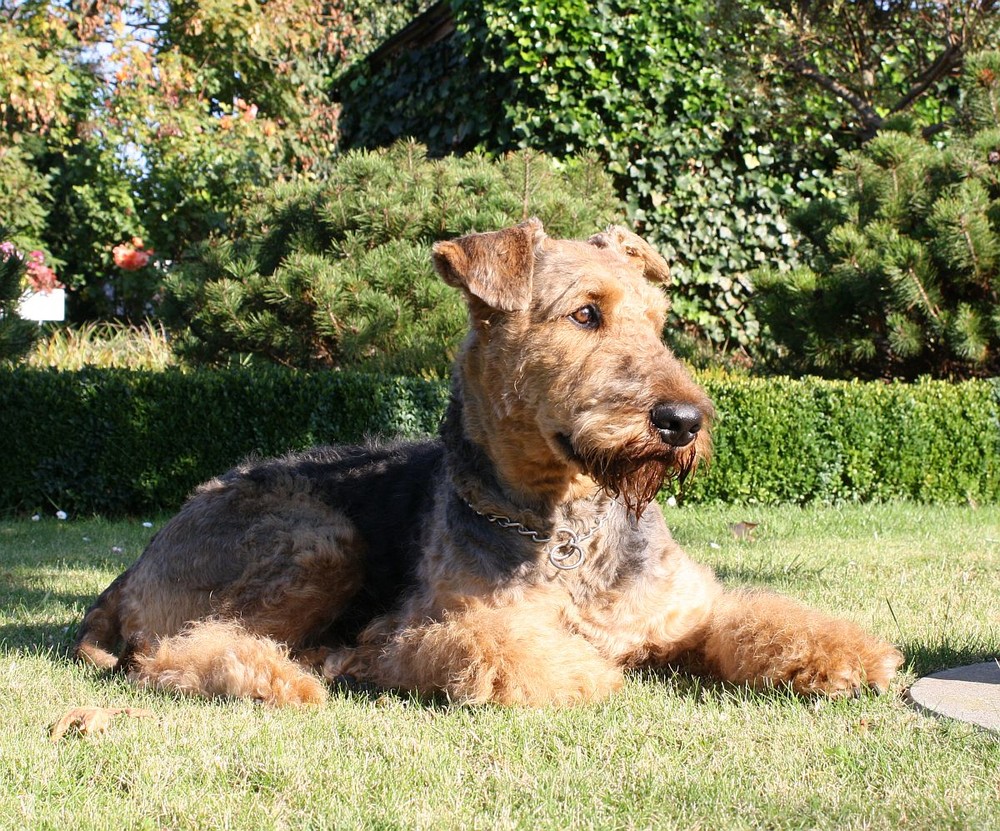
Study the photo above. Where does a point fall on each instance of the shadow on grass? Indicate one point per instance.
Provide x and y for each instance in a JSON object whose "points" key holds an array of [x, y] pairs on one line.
{"points": [[39, 601], [680, 683], [52, 640], [769, 570], [38, 619], [687, 683], [923, 658]]}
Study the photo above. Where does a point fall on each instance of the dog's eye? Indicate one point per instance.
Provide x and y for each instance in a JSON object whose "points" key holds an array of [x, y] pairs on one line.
{"points": [[587, 317]]}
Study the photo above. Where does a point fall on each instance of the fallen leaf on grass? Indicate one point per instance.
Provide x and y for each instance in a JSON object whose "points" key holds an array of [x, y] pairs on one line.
{"points": [[91, 721], [743, 530]]}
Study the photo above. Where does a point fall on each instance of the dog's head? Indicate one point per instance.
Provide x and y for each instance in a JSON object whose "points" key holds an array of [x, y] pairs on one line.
{"points": [[567, 362]]}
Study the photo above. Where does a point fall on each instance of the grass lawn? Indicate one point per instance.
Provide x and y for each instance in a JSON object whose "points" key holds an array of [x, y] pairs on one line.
{"points": [[669, 751]]}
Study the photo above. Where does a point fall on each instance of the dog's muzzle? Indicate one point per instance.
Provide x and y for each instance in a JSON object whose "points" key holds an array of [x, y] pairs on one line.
{"points": [[677, 424]]}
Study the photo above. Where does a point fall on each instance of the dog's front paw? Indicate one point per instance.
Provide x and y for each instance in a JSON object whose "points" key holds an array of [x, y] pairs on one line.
{"points": [[842, 662], [768, 640]]}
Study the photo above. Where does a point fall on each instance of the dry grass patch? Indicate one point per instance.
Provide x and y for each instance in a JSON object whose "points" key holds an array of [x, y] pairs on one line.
{"points": [[104, 344]]}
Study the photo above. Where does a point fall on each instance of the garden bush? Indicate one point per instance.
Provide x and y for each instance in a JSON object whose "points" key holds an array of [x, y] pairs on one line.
{"points": [[127, 442], [812, 440], [903, 275], [118, 442], [338, 273], [155, 119], [716, 120]]}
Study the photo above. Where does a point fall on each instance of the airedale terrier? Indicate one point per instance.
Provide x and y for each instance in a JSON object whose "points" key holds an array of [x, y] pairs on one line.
{"points": [[519, 558]]}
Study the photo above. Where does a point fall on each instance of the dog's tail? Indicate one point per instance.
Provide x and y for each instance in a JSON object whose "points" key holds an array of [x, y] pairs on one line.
{"points": [[100, 631]]}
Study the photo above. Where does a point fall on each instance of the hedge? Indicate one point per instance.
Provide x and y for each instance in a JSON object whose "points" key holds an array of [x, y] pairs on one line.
{"points": [[118, 442], [812, 440]]}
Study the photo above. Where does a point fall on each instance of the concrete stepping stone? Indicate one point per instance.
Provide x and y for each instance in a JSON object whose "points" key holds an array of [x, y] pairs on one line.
{"points": [[970, 693]]}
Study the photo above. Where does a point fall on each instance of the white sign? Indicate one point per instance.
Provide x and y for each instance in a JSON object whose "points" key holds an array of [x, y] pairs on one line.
{"points": [[39, 306]]}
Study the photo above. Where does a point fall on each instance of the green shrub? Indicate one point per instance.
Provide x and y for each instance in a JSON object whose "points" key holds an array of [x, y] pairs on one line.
{"points": [[118, 442], [781, 440], [128, 442], [338, 273], [904, 272]]}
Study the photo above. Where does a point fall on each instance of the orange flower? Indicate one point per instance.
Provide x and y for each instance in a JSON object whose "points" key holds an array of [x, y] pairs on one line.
{"points": [[131, 257]]}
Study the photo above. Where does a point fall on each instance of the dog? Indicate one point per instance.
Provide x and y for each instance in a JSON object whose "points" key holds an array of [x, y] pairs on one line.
{"points": [[518, 558]]}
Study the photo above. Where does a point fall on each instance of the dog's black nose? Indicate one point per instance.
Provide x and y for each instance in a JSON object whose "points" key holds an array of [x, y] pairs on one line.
{"points": [[678, 423]]}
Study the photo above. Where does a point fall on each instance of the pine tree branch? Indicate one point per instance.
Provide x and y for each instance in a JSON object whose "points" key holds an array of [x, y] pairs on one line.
{"points": [[932, 130], [924, 296], [970, 244]]}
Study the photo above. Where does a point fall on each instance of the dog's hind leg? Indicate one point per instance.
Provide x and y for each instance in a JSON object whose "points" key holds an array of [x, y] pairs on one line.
{"points": [[283, 564], [313, 568], [100, 631], [221, 659]]}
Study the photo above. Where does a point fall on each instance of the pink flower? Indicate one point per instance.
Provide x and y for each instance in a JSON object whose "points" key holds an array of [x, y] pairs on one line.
{"points": [[41, 277]]}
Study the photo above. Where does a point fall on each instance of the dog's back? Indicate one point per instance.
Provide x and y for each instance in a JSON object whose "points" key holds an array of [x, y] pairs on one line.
{"points": [[305, 549]]}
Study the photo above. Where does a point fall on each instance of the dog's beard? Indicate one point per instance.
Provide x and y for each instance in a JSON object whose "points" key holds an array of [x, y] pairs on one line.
{"points": [[635, 479]]}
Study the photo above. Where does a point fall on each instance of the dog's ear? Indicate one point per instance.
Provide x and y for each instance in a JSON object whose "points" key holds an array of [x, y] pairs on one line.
{"points": [[495, 268], [636, 249]]}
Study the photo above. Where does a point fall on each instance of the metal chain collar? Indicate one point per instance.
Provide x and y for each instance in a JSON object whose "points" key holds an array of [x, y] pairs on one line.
{"points": [[567, 553]]}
